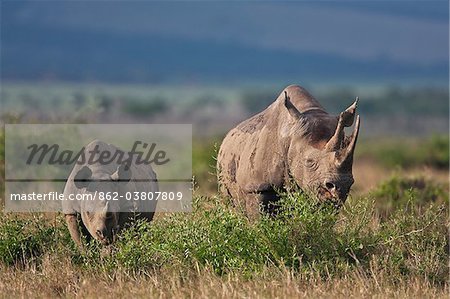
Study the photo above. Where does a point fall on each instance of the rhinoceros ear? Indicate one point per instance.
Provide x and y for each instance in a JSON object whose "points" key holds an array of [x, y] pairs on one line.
{"points": [[291, 108], [300, 119], [122, 174], [83, 177]]}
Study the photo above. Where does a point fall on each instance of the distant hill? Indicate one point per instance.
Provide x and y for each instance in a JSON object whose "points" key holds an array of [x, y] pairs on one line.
{"points": [[50, 53]]}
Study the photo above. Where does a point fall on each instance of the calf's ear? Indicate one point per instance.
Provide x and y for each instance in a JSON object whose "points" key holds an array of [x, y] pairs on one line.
{"points": [[122, 174], [83, 177]]}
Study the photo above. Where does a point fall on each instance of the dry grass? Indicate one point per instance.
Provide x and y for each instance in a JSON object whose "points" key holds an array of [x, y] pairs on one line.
{"points": [[369, 174], [57, 271], [56, 278]]}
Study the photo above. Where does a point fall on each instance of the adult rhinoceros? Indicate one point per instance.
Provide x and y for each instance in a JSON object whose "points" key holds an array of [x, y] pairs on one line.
{"points": [[105, 194], [292, 140]]}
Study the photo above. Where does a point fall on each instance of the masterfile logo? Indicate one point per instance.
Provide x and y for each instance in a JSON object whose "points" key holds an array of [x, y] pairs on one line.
{"points": [[47, 165]]}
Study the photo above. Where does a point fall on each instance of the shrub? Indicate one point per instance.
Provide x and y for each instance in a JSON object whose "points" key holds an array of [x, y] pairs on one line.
{"points": [[433, 152], [25, 239], [146, 108], [256, 101], [306, 237], [397, 192], [204, 164]]}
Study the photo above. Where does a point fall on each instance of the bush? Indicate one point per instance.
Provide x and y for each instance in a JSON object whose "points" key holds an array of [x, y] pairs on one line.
{"points": [[397, 192], [394, 101], [25, 239], [146, 109], [436, 152], [204, 164], [433, 152], [256, 101], [306, 237]]}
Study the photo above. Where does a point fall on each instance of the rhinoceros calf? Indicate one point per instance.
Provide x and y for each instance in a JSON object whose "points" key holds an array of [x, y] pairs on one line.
{"points": [[102, 219], [292, 140]]}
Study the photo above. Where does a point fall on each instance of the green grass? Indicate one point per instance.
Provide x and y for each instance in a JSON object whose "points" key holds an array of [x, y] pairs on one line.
{"points": [[147, 108], [397, 192], [27, 238], [412, 241], [204, 163], [401, 226], [406, 153]]}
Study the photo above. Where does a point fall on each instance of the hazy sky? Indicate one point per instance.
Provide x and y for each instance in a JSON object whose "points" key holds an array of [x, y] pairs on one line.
{"points": [[405, 31]]}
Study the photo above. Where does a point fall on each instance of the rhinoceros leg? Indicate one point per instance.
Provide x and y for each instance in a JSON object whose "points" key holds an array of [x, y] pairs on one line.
{"points": [[125, 218], [264, 201], [74, 229], [148, 216], [77, 229], [268, 201], [84, 231]]}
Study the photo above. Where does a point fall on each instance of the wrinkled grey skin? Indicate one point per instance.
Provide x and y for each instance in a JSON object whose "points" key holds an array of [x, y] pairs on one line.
{"points": [[292, 140], [103, 219]]}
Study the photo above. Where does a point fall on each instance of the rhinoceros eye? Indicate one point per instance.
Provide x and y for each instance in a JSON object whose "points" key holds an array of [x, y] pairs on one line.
{"points": [[310, 163]]}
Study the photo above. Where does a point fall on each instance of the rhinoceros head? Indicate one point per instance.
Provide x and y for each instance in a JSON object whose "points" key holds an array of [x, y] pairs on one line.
{"points": [[101, 215], [320, 156]]}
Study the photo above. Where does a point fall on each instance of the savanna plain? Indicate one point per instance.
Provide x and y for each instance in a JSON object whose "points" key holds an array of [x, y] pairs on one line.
{"points": [[390, 239]]}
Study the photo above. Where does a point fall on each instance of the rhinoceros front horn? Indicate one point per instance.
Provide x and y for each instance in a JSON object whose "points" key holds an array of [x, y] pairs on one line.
{"points": [[346, 119], [345, 156]]}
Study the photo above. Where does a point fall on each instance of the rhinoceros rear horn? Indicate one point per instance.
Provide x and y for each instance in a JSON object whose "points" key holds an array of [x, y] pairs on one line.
{"points": [[346, 119], [345, 155]]}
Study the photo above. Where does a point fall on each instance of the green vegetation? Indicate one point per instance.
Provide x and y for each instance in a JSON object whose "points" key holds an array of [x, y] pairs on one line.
{"points": [[432, 152], [305, 237], [388, 101], [256, 101], [392, 240], [417, 192], [416, 101], [204, 163], [382, 101], [24, 239], [393, 100], [146, 108]]}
